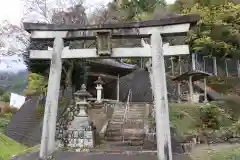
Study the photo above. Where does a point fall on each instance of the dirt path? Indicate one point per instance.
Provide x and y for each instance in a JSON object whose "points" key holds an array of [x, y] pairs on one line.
{"points": [[203, 152]]}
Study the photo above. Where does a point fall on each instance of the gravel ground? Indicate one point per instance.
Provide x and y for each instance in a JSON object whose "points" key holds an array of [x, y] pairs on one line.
{"points": [[99, 156]]}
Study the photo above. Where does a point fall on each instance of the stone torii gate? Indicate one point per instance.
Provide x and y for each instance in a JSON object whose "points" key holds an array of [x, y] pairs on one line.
{"points": [[153, 29]]}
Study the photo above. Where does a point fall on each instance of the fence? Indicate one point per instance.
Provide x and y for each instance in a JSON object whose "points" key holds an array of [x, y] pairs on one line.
{"points": [[176, 65]]}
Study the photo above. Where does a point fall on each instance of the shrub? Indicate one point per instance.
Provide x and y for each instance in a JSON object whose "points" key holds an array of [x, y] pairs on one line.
{"points": [[3, 124], [40, 110], [1, 92], [5, 97], [231, 105], [213, 117], [8, 115], [9, 110]]}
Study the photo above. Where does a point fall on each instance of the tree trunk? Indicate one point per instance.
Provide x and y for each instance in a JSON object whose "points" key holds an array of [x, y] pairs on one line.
{"points": [[68, 78]]}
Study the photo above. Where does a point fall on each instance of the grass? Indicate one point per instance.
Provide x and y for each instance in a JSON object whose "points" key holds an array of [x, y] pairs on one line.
{"points": [[4, 120], [3, 124], [224, 84], [228, 154], [9, 147], [184, 117], [216, 152]]}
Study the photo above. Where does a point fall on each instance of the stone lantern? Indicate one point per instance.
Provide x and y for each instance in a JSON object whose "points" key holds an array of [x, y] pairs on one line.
{"points": [[99, 89], [81, 116], [80, 131], [81, 100]]}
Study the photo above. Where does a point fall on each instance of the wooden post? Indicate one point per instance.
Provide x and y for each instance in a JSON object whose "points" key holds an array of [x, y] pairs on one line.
{"points": [[142, 66], [215, 66], [193, 62], [238, 68], [179, 83], [190, 90], [49, 123], [204, 64], [226, 67], [160, 94], [205, 90], [118, 88], [172, 65]]}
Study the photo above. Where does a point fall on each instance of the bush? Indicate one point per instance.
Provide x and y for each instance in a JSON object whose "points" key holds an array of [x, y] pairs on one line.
{"points": [[236, 127], [231, 105], [3, 124], [9, 110], [36, 85], [214, 117], [5, 97], [1, 92]]}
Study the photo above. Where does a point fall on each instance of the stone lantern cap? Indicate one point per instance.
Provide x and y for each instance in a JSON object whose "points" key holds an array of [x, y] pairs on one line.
{"points": [[99, 81], [83, 92]]}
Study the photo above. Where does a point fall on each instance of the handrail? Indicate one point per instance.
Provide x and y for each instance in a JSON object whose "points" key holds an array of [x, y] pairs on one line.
{"points": [[127, 105], [125, 117]]}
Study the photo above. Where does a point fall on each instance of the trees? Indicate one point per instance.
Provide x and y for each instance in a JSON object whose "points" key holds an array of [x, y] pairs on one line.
{"points": [[67, 12], [36, 84], [217, 33], [10, 33], [140, 9]]}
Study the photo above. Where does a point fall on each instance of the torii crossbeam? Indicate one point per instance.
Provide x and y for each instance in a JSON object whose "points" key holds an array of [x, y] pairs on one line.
{"points": [[155, 29]]}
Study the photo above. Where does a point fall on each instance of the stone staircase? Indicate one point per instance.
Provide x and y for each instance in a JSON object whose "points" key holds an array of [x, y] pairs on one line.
{"points": [[128, 131]]}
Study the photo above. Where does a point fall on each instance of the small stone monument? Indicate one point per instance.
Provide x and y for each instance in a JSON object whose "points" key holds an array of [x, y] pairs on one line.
{"points": [[99, 89]]}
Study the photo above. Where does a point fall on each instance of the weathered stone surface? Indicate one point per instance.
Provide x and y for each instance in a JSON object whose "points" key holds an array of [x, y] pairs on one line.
{"points": [[102, 156]]}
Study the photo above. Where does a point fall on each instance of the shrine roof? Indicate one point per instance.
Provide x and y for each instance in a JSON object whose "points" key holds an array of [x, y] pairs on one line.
{"points": [[196, 75], [173, 20], [114, 63]]}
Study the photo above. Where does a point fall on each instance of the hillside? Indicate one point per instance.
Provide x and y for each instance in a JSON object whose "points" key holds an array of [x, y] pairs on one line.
{"points": [[13, 81]]}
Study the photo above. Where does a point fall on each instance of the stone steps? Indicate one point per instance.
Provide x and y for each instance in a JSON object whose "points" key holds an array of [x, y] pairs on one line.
{"points": [[131, 130], [114, 138]]}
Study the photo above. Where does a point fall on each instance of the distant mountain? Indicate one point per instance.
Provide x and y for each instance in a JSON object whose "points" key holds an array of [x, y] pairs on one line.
{"points": [[13, 74], [14, 82]]}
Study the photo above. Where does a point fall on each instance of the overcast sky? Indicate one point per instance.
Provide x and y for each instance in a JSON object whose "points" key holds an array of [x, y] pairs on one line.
{"points": [[11, 10]]}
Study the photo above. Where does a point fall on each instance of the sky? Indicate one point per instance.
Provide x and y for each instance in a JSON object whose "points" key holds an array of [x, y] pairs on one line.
{"points": [[12, 10]]}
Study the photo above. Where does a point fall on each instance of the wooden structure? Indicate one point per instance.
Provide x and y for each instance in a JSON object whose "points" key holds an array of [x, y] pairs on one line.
{"points": [[191, 77], [103, 36]]}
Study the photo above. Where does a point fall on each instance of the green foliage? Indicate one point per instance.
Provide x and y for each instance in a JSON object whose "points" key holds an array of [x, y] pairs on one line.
{"points": [[4, 120], [231, 106], [36, 84], [232, 153], [3, 124], [210, 116], [196, 119], [40, 110], [184, 117], [1, 92], [137, 9], [9, 147], [217, 33], [213, 117], [5, 97]]}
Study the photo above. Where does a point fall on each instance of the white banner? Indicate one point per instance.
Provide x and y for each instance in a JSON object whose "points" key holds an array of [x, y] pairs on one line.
{"points": [[16, 100]]}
